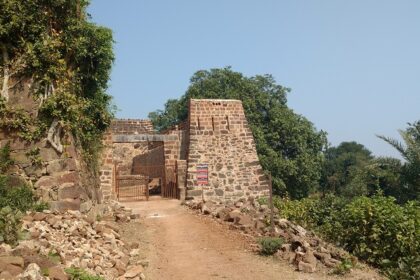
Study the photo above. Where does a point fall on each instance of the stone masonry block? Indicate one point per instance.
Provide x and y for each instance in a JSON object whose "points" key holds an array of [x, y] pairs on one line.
{"points": [[69, 191]]}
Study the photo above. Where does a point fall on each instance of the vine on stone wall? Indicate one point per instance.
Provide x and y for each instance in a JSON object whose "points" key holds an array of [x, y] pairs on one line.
{"points": [[19, 121], [66, 59]]}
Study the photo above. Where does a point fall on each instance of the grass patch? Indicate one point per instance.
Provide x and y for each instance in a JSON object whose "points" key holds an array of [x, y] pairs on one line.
{"points": [[76, 273], [344, 267], [270, 245]]}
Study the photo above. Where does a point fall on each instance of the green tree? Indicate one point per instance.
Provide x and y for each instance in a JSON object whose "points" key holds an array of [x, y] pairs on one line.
{"points": [[384, 173], [288, 145], [410, 151], [343, 169]]}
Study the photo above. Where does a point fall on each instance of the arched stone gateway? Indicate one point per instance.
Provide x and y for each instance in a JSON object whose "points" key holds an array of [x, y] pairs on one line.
{"points": [[212, 156]]}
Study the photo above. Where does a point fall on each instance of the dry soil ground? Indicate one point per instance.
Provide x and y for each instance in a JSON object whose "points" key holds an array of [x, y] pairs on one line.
{"points": [[177, 244]]}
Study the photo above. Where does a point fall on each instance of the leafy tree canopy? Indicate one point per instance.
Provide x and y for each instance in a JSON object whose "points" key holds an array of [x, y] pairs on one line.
{"points": [[341, 165], [289, 146]]}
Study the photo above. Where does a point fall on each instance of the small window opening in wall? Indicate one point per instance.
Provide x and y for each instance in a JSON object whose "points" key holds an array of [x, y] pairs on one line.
{"points": [[212, 122], [198, 123], [227, 122]]}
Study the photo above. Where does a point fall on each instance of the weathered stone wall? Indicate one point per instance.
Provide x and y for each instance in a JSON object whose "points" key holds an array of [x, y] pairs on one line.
{"points": [[134, 149], [219, 136], [124, 153], [130, 126], [59, 178], [172, 152], [179, 149], [150, 164], [119, 156], [216, 134], [182, 176], [107, 169]]}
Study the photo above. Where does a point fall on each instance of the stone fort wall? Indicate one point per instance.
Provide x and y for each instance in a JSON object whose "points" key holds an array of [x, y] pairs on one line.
{"points": [[149, 163], [219, 136], [133, 148], [59, 177], [131, 126], [216, 134]]}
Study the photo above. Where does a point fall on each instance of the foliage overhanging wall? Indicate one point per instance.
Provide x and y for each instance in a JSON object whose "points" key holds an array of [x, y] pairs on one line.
{"points": [[54, 71]]}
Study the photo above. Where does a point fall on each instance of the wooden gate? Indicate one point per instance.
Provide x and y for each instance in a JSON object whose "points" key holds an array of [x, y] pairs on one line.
{"points": [[131, 187]]}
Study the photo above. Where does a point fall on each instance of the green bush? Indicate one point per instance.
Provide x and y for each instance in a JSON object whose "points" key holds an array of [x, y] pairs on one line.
{"points": [[375, 229], [383, 233], [14, 201], [10, 225], [80, 274], [270, 245], [343, 267], [5, 160], [318, 214], [19, 197], [41, 206]]}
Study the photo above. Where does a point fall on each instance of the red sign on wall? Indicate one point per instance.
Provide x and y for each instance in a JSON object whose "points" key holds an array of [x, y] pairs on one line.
{"points": [[202, 174]]}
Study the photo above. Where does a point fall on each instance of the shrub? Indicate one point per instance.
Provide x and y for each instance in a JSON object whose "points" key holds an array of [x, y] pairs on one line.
{"points": [[20, 198], [13, 201], [295, 210], [10, 225], [270, 245], [344, 267], [45, 271], [41, 206], [5, 159], [383, 233], [263, 200], [80, 274], [54, 257], [314, 213], [375, 229]]}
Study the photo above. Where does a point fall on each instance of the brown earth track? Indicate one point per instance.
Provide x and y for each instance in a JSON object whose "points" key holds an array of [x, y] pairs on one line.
{"points": [[181, 245]]}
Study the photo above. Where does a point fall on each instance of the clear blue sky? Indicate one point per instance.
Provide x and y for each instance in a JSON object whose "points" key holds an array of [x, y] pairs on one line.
{"points": [[353, 66]]}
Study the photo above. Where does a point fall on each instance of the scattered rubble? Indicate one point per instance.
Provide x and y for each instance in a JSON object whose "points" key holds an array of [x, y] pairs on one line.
{"points": [[301, 248], [56, 241]]}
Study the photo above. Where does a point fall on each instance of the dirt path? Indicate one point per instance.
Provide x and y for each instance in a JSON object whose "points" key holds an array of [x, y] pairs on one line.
{"points": [[180, 245]]}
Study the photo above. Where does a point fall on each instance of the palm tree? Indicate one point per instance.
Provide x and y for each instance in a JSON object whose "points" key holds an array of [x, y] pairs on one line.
{"points": [[410, 151]]}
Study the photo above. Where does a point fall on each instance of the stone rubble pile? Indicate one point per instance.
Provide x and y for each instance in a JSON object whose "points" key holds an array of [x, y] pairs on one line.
{"points": [[56, 241], [302, 248]]}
